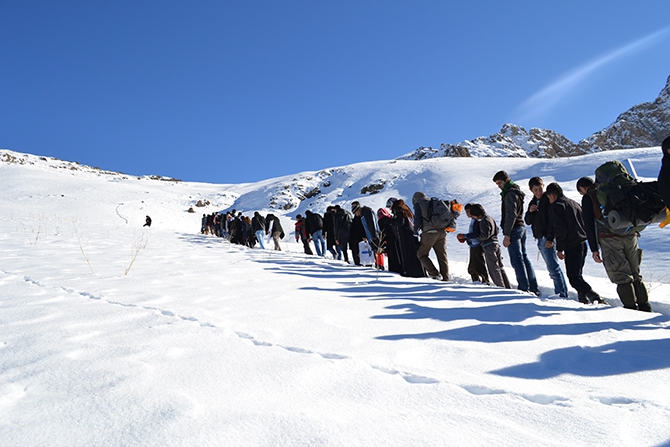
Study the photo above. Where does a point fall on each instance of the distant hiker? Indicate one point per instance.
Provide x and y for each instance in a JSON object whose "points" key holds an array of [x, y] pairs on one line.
{"points": [[537, 217], [314, 227], [258, 228], [329, 230], [621, 254], [477, 264], [514, 232], [431, 226], [274, 228], [403, 221], [203, 224], [364, 228], [147, 222], [342, 229], [301, 234], [664, 179], [388, 240], [488, 237], [568, 221]]}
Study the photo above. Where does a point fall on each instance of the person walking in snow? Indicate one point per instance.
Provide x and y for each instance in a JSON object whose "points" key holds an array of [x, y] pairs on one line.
{"points": [[568, 222], [488, 238], [301, 234], [314, 228], [364, 229], [342, 229], [147, 222], [664, 177], [274, 228], [621, 254], [403, 221], [537, 216], [477, 263], [258, 228], [329, 230], [514, 232], [432, 236]]}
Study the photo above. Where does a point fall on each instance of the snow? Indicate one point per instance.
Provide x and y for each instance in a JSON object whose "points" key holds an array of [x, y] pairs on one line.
{"points": [[203, 343]]}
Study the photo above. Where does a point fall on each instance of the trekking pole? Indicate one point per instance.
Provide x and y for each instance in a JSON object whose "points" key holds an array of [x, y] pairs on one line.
{"points": [[632, 168]]}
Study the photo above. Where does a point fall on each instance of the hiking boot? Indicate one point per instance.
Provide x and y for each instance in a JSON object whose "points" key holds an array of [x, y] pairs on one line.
{"points": [[437, 277], [595, 298], [582, 299]]}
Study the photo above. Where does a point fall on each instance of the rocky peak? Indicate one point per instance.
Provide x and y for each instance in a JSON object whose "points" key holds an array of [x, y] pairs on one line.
{"points": [[643, 125]]}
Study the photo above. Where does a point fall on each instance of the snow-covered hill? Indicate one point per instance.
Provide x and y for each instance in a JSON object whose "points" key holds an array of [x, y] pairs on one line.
{"points": [[112, 334], [643, 125]]}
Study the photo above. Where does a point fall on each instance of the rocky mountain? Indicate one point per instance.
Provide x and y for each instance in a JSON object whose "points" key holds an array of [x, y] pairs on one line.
{"points": [[644, 125]]}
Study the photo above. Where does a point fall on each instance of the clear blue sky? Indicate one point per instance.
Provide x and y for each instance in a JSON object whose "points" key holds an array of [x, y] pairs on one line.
{"points": [[239, 91]]}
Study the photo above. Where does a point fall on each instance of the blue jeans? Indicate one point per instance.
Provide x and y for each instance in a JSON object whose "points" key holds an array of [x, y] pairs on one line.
{"points": [[319, 242], [525, 275], [260, 235], [553, 267]]}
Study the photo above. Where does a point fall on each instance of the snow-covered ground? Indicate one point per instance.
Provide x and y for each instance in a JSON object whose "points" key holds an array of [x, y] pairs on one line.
{"points": [[112, 334]]}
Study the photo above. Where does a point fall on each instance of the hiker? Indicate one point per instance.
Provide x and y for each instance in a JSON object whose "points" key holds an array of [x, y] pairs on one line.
{"points": [[329, 230], [314, 228], [514, 232], [621, 254], [258, 228], [664, 179], [568, 221], [477, 263], [488, 238], [432, 233], [537, 216], [403, 222], [274, 228], [389, 240], [368, 231], [301, 234], [342, 229], [147, 222]]}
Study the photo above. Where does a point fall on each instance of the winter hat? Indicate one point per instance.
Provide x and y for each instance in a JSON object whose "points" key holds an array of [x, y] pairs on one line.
{"points": [[390, 202], [383, 212], [299, 216], [355, 206]]}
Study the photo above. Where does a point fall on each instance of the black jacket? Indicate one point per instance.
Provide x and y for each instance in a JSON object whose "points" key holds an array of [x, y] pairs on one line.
{"points": [[511, 208], [342, 223], [539, 220], [257, 222], [664, 179], [313, 222], [488, 231], [568, 219], [273, 224]]}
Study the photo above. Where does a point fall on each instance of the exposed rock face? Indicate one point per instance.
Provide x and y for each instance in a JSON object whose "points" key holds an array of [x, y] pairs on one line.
{"points": [[511, 141], [643, 125]]}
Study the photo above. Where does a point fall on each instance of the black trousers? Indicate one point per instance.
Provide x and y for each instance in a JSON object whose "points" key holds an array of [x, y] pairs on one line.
{"points": [[574, 265]]}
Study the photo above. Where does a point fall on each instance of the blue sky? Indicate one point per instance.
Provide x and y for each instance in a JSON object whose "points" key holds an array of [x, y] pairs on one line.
{"points": [[240, 91]]}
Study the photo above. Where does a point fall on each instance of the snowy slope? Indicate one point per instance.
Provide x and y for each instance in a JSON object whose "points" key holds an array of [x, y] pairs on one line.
{"points": [[115, 335]]}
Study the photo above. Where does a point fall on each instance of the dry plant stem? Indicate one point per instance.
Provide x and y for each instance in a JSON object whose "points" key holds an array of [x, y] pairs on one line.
{"points": [[140, 244], [81, 247]]}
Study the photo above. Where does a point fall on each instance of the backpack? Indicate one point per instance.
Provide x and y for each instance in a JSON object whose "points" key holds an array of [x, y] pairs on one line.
{"points": [[440, 214], [625, 202]]}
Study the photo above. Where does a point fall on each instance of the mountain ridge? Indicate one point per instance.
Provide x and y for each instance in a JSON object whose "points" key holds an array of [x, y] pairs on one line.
{"points": [[643, 125]]}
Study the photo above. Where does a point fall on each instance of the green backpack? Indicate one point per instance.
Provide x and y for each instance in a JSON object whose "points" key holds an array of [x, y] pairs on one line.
{"points": [[628, 205]]}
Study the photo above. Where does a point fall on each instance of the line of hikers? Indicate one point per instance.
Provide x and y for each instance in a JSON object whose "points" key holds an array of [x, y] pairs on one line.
{"points": [[563, 229]]}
